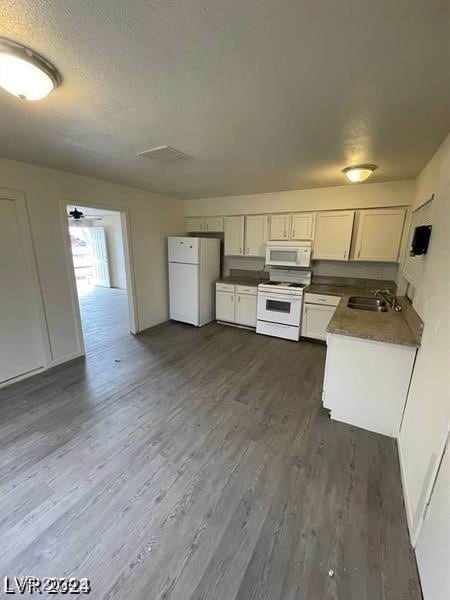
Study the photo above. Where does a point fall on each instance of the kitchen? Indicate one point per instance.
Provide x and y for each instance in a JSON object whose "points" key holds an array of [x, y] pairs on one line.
{"points": [[354, 316], [269, 416]]}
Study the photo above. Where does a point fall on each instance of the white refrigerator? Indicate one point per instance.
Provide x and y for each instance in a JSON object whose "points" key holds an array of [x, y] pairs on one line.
{"points": [[194, 266]]}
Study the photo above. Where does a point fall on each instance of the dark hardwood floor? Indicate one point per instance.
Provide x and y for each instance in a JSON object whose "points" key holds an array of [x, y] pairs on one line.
{"points": [[197, 464]]}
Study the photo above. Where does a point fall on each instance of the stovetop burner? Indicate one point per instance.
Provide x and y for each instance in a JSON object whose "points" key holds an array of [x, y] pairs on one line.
{"points": [[285, 284]]}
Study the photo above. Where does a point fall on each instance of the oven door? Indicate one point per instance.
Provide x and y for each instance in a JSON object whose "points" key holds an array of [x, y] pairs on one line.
{"points": [[277, 308]]}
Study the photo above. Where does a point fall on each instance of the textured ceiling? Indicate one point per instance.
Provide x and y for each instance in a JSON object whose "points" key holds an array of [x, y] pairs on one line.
{"points": [[262, 95]]}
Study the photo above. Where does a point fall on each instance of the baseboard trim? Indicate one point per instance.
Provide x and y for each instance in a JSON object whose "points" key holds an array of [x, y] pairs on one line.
{"points": [[409, 516]]}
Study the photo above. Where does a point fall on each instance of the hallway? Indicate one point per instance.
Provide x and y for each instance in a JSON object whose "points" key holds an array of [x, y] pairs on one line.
{"points": [[104, 316]]}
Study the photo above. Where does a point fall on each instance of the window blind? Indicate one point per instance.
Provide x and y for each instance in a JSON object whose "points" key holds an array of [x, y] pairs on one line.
{"points": [[413, 265]]}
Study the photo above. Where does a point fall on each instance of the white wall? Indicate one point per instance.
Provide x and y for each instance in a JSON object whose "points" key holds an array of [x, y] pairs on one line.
{"points": [[427, 414], [114, 242], [152, 218], [366, 195]]}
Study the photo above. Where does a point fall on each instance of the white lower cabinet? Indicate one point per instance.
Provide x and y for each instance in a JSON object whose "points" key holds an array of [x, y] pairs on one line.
{"points": [[246, 310], [317, 312], [236, 304], [225, 305]]}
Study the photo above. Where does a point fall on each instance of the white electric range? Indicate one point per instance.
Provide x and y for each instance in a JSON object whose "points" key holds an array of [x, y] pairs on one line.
{"points": [[279, 308]]}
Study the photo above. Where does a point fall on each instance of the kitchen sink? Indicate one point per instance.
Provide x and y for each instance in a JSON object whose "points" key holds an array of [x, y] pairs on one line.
{"points": [[373, 304]]}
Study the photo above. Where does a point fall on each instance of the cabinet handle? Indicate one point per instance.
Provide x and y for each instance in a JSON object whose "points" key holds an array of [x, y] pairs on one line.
{"points": [[293, 234], [345, 254], [359, 252], [239, 298], [248, 250], [231, 297], [240, 251], [206, 226]]}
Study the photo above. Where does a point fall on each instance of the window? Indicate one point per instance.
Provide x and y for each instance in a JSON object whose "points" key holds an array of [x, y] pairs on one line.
{"points": [[412, 268]]}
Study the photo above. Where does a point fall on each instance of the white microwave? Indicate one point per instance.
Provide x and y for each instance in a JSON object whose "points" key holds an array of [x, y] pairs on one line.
{"points": [[288, 254]]}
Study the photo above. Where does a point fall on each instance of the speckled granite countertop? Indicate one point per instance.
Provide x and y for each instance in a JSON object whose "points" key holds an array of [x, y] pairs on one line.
{"points": [[238, 281], [403, 328], [244, 277]]}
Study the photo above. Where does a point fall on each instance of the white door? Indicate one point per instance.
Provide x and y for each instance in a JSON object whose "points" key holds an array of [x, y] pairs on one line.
{"points": [[379, 234], [21, 345], [100, 256], [213, 224], [225, 303], [433, 546], [246, 309], [333, 235], [315, 321], [234, 236], [302, 225], [194, 224], [184, 292], [279, 227], [256, 235]]}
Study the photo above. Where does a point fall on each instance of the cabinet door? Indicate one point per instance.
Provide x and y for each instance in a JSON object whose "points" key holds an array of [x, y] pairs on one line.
{"points": [[225, 302], [333, 235], [302, 225], [256, 235], [315, 320], [379, 234], [246, 310], [279, 227], [234, 236], [213, 224], [194, 224]]}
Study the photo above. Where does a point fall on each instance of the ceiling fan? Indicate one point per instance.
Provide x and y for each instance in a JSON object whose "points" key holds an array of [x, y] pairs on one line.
{"points": [[77, 215]]}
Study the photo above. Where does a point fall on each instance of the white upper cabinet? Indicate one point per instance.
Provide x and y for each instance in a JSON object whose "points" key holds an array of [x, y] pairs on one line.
{"points": [[279, 227], [234, 236], [204, 224], [379, 234], [256, 230], [213, 224], [194, 224], [333, 235], [302, 226]]}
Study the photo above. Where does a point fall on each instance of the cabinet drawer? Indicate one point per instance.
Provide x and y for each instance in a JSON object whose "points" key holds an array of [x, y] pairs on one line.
{"points": [[246, 289], [225, 287], [322, 299]]}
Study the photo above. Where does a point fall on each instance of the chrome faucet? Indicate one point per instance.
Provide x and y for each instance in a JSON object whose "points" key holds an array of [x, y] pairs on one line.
{"points": [[390, 299]]}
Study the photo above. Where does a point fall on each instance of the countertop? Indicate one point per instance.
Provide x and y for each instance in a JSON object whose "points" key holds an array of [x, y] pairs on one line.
{"points": [[240, 281], [403, 328]]}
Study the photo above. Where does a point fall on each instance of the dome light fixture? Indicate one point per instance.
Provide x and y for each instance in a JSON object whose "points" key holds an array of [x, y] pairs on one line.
{"points": [[25, 73], [359, 173]]}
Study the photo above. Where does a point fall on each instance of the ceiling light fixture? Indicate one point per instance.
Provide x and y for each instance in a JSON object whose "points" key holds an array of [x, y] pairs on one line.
{"points": [[359, 173], [25, 73]]}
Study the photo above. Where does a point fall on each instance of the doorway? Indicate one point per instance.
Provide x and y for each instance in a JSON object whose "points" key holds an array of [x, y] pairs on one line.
{"points": [[101, 274]]}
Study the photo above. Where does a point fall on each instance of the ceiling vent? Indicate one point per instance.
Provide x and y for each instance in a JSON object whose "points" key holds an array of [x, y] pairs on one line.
{"points": [[164, 154]]}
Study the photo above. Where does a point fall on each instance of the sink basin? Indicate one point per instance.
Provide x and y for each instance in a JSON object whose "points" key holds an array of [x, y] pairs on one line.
{"points": [[373, 304]]}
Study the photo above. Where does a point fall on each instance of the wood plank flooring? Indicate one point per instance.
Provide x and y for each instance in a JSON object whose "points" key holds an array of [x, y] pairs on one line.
{"points": [[196, 464], [104, 316]]}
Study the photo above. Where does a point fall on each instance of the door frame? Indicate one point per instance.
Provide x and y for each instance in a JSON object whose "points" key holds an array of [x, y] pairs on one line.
{"points": [[125, 221], [19, 198]]}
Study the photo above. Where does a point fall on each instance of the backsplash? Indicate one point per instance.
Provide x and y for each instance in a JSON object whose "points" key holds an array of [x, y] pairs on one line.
{"points": [[356, 269]]}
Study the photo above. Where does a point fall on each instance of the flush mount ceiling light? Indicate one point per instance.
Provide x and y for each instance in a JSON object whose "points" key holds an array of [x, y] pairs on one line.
{"points": [[359, 173], [25, 73]]}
